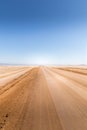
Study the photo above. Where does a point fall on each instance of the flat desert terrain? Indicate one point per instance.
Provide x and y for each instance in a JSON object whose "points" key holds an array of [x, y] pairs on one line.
{"points": [[43, 98]]}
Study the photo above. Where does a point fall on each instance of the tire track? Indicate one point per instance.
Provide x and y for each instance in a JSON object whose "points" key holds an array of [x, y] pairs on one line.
{"points": [[71, 76], [70, 106], [74, 70], [12, 83], [12, 101]]}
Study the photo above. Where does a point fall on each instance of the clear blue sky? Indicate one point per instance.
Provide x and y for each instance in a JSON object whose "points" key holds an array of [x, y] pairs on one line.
{"points": [[43, 32]]}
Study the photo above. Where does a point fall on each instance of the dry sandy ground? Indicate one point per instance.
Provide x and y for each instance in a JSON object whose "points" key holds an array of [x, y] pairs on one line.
{"points": [[43, 98], [8, 73]]}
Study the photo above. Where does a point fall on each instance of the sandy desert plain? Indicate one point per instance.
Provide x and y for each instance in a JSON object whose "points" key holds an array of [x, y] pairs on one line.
{"points": [[43, 98]]}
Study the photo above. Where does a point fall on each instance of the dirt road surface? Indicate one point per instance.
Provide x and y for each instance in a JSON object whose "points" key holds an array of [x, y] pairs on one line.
{"points": [[44, 98]]}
